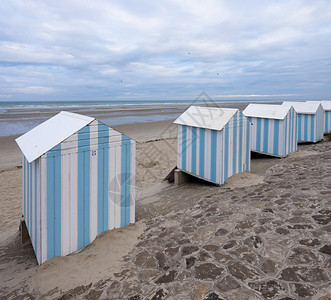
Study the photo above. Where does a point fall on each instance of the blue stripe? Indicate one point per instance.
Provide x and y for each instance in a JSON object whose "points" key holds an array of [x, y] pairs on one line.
{"points": [[194, 150], [87, 168], [312, 128], [83, 187], [326, 125], [105, 186], [306, 128], [292, 131], [213, 155], [299, 127], [265, 135], [27, 194], [234, 149], [258, 134], [30, 200], [248, 148], [287, 130], [24, 187], [184, 138], [296, 131], [54, 202], [125, 181], [276, 136], [202, 153], [240, 163], [103, 160], [290, 116], [285, 134], [226, 151], [26, 217], [35, 209], [128, 185], [28, 197], [26, 190]]}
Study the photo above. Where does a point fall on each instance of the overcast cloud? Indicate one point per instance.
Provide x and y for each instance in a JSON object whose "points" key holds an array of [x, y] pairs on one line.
{"points": [[175, 49]]}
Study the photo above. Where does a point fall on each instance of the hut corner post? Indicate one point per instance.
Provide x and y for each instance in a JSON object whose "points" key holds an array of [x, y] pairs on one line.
{"points": [[25, 238]]}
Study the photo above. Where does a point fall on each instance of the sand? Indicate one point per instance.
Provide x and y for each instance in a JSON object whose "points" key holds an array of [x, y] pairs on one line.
{"points": [[156, 156], [11, 154], [11, 202]]}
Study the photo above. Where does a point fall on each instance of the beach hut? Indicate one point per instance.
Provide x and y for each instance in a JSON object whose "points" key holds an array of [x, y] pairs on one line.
{"points": [[310, 120], [78, 181], [213, 143], [274, 129], [326, 105]]}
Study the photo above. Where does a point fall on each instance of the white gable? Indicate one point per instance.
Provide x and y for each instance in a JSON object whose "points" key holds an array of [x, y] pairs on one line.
{"points": [[303, 107], [50, 133], [325, 104], [206, 117], [267, 111]]}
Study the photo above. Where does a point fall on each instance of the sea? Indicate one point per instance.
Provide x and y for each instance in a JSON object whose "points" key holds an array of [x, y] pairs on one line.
{"points": [[18, 117]]}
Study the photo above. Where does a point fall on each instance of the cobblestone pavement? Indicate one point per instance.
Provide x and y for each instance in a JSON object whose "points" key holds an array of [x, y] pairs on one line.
{"points": [[269, 241]]}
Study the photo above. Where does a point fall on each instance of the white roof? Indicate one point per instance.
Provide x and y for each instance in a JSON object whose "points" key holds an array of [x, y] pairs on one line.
{"points": [[303, 107], [50, 133], [325, 104], [268, 111], [206, 117]]}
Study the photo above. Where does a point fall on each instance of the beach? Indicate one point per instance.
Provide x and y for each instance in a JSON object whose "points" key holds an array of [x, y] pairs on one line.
{"points": [[262, 235]]}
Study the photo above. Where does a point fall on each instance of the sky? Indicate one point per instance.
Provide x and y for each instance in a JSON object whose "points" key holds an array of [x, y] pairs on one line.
{"points": [[164, 50]]}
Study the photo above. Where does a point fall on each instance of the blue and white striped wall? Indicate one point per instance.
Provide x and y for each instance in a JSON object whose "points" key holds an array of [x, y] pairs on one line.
{"points": [[215, 155], [326, 105], [79, 189], [311, 126], [273, 136], [327, 121]]}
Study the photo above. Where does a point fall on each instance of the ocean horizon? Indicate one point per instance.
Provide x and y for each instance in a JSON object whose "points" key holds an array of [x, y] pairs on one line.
{"points": [[18, 117]]}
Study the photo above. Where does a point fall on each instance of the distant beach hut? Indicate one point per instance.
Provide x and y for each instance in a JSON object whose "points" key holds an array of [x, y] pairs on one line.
{"points": [[274, 129], [310, 120], [213, 143], [326, 105], [78, 181]]}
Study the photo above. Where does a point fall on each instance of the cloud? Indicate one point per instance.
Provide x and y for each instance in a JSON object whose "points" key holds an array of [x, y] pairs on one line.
{"points": [[110, 50], [35, 90]]}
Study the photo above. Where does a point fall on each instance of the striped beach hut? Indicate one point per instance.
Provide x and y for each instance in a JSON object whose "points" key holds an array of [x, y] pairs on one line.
{"points": [[326, 105], [274, 129], [310, 120], [213, 143], [78, 181]]}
